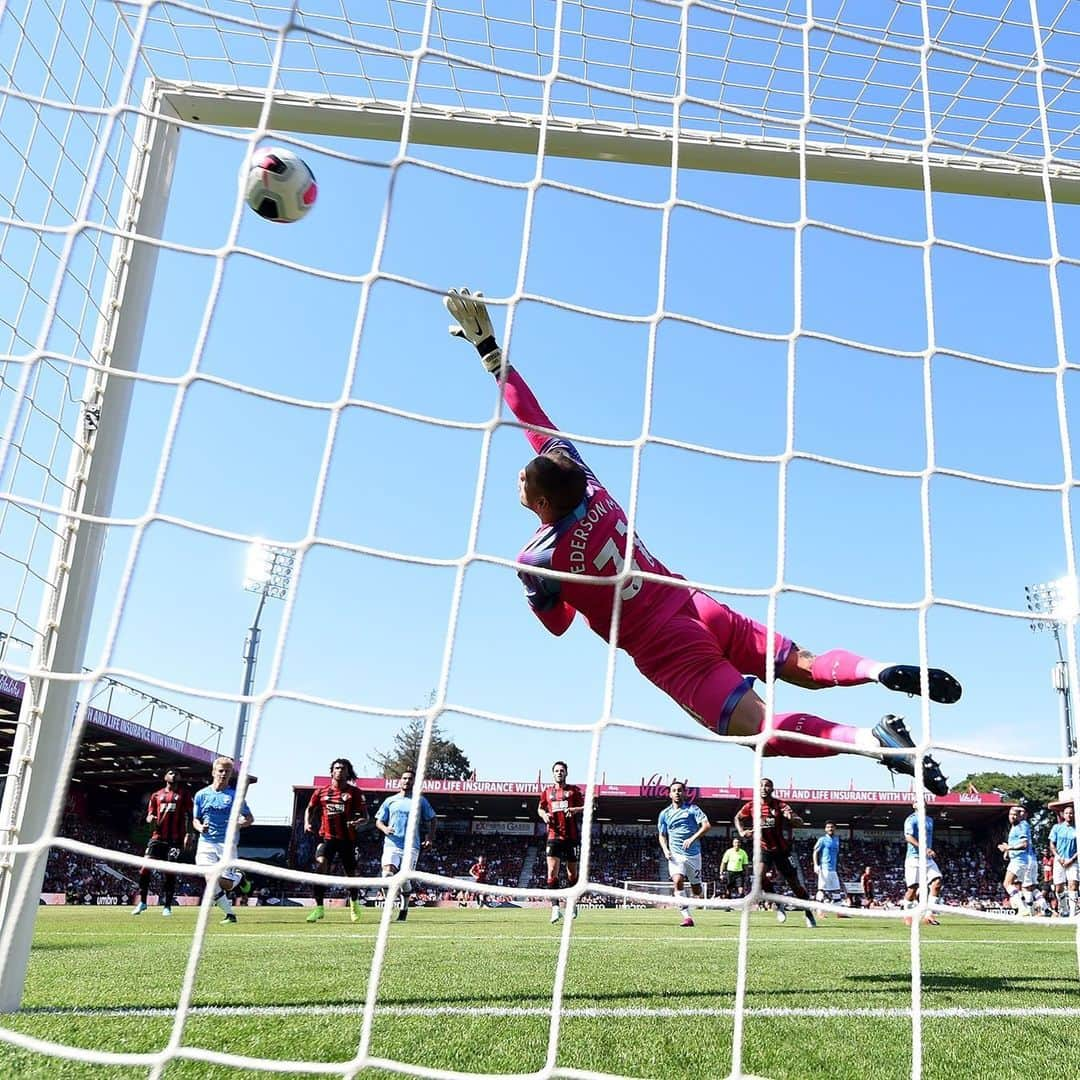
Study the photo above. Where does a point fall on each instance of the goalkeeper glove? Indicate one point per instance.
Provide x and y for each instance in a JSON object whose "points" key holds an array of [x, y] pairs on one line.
{"points": [[474, 325]]}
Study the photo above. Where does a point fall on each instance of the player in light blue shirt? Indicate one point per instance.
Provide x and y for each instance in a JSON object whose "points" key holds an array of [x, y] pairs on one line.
{"points": [[392, 821], [681, 827], [916, 842], [1063, 852], [1022, 871], [211, 809], [826, 859]]}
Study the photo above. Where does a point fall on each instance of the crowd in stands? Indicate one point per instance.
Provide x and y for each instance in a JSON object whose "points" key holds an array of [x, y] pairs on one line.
{"points": [[972, 875], [80, 876]]}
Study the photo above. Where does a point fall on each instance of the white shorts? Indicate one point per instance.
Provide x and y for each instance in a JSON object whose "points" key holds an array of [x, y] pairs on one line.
{"points": [[394, 856], [828, 881], [1065, 874], [687, 866], [911, 872], [1026, 871], [210, 853]]}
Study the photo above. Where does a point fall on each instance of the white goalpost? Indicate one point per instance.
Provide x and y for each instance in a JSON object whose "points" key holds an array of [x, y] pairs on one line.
{"points": [[97, 104]]}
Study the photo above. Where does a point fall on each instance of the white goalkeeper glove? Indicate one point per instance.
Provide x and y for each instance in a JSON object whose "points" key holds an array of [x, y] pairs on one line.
{"points": [[474, 325]]}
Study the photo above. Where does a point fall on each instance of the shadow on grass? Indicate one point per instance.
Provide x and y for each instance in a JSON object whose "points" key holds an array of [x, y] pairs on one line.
{"points": [[518, 1000], [991, 984]]}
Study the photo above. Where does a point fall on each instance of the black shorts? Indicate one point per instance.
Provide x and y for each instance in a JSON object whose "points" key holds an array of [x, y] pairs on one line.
{"points": [[566, 850], [165, 850], [779, 862], [345, 850], [734, 878]]}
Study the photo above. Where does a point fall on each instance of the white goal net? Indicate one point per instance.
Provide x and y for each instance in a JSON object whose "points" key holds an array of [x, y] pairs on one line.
{"points": [[798, 278]]}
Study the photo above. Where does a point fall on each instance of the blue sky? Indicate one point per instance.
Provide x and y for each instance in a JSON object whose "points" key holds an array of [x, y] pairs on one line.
{"points": [[371, 630]]}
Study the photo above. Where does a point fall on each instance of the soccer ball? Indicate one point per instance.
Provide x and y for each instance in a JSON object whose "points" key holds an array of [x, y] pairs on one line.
{"points": [[280, 186]]}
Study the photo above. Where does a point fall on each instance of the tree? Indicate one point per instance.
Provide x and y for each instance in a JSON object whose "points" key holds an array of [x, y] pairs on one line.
{"points": [[445, 760], [1031, 790]]}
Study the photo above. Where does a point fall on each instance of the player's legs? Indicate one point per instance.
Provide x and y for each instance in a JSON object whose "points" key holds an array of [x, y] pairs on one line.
{"points": [[321, 864], [393, 858], [209, 853], [745, 642], [324, 857], [688, 664], [678, 888], [688, 870], [347, 858], [788, 872], [935, 897], [144, 889], [1017, 886], [829, 889], [553, 864], [685, 882], [571, 879], [786, 868], [168, 882], [155, 849], [1029, 885]]}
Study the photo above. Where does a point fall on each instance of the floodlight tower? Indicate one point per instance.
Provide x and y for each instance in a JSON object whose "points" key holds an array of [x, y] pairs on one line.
{"points": [[1056, 604], [268, 573]]}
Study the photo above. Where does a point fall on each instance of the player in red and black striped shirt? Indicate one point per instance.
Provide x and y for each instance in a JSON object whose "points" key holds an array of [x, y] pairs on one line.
{"points": [[479, 872], [561, 808], [777, 823], [334, 813], [169, 811]]}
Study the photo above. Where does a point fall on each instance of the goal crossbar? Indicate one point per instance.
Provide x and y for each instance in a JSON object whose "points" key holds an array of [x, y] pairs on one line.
{"points": [[520, 133]]}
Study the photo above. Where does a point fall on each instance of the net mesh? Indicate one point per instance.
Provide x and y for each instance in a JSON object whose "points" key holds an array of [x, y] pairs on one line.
{"points": [[925, 78]]}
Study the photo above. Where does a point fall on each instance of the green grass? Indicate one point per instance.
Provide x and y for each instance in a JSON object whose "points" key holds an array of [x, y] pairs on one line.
{"points": [[643, 997]]}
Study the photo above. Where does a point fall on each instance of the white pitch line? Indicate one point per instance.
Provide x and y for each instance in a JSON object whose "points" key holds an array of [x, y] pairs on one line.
{"points": [[631, 1013], [798, 937]]}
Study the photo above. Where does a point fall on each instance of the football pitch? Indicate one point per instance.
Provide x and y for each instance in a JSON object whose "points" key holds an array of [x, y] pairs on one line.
{"points": [[471, 991]]}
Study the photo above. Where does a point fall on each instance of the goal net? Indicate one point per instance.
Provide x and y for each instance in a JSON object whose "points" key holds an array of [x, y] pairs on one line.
{"points": [[795, 277], [636, 893]]}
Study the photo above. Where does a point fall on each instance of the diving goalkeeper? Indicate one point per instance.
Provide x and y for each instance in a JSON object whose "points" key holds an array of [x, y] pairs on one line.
{"points": [[700, 652]]}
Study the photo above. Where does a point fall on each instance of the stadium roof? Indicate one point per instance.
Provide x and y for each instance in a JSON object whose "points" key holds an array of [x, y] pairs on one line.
{"points": [[114, 752], [510, 800]]}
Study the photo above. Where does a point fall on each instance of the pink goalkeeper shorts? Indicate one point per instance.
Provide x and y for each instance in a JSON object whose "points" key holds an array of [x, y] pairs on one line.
{"points": [[706, 658]]}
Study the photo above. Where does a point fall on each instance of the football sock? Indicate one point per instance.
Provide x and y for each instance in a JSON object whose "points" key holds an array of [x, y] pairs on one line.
{"points": [[807, 724], [320, 895], [224, 901], [144, 885], [838, 667]]}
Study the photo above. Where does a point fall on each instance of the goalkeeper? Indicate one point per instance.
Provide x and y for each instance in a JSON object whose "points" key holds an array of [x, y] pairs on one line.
{"points": [[700, 652]]}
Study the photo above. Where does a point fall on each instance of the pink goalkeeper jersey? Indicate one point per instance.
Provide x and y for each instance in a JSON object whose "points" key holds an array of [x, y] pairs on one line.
{"points": [[590, 540]]}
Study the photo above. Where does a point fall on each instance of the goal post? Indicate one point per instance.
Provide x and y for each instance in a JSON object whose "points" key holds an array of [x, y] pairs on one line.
{"points": [[44, 732], [597, 140]]}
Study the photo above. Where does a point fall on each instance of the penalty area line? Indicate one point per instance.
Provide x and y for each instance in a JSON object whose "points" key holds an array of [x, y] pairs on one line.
{"points": [[570, 1013]]}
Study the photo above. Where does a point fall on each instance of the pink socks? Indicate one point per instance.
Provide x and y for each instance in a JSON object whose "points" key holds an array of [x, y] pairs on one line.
{"points": [[838, 667], [806, 724]]}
